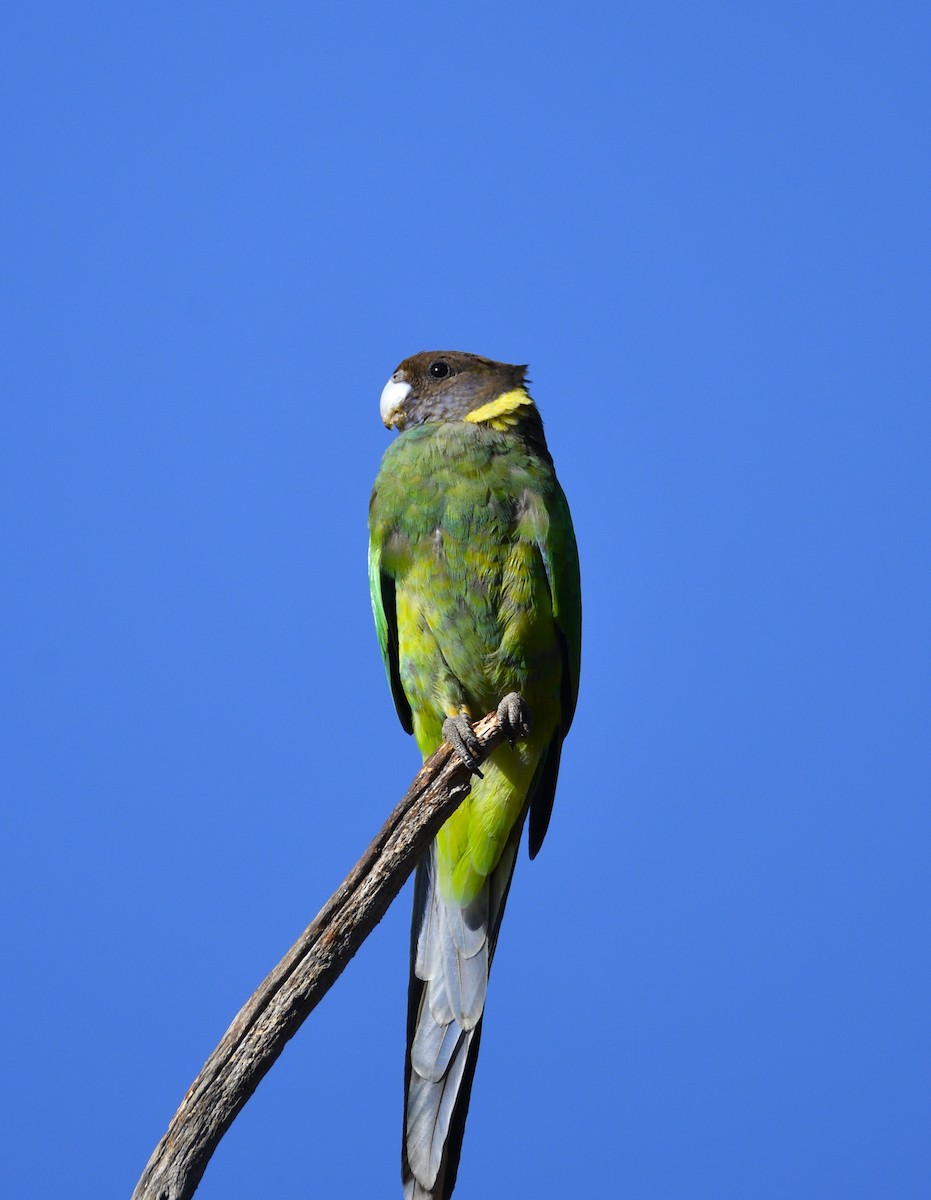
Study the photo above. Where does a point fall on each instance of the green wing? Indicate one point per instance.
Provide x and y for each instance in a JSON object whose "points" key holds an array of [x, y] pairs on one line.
{"points": [[382, 589]]}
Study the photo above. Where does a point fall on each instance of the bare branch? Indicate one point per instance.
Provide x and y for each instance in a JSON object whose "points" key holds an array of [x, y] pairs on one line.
{"points": [[292, 990]]}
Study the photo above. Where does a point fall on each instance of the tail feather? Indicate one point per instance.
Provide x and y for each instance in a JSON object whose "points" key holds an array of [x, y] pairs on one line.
{"points": [[468, 926], [426, 916], [430, 1107], [452, 950], [433, 1048], [465, 979]]}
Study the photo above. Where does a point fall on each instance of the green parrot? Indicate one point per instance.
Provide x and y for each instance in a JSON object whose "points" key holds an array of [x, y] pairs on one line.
{"points": [[475, 587]]}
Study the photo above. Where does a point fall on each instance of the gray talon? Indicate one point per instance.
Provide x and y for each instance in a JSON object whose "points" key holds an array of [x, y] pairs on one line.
{"points": [[458, 732], [514, 716]]}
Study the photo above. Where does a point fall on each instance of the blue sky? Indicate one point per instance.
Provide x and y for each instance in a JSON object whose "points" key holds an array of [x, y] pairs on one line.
{"points": [[705, 227]]}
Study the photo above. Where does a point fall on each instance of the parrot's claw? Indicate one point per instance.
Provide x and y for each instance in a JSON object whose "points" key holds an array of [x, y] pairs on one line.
{"points": [[460, 735], [514, 717]]}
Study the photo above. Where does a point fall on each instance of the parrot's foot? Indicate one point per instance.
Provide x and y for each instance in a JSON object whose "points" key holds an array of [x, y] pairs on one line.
{"points": [[514, 716], [460, 735]]}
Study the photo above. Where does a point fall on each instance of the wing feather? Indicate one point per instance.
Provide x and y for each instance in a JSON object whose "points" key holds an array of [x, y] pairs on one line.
{"points": [[384, 609], [557, 545]]}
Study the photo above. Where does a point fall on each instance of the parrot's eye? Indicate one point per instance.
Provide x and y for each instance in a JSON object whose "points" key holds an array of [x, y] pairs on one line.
{"points": [[439, 369]]}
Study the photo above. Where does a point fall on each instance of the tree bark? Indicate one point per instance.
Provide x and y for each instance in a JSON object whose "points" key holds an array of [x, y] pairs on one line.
{"points": [[293, 989]]}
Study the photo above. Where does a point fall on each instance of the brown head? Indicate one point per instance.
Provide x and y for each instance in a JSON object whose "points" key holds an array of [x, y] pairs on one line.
{"points": [[449, 385]]}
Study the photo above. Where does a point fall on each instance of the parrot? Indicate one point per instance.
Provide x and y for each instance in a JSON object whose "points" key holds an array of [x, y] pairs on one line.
{"points": [[476, 594]]}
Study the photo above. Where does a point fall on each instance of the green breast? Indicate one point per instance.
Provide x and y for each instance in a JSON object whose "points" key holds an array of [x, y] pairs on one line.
{"points": [[459, 512]]}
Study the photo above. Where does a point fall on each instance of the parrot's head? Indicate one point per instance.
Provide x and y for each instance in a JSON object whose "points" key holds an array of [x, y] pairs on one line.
{"points": [[448, 385]]}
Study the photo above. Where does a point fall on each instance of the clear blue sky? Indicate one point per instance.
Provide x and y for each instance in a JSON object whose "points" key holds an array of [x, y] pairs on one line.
{"points": [[706, 228]]}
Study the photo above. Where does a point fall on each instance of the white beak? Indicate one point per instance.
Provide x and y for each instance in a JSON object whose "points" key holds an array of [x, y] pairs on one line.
{"points": [[393, 395]]}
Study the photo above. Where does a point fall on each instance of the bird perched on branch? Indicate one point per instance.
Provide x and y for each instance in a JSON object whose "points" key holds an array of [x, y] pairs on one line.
{"points": [[474, 576]]}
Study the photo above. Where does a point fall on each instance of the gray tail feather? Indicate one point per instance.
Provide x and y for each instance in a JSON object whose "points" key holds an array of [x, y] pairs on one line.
{"points": [[451, 953]]}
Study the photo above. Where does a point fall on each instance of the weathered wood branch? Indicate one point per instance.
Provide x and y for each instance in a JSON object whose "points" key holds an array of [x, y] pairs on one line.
{"points": [[293, 989]]}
